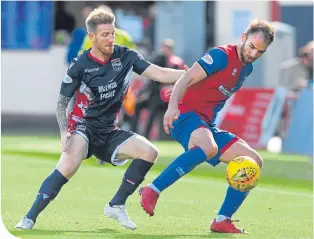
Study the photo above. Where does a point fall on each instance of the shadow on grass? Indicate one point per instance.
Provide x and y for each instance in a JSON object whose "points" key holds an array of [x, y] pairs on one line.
{"points": [[40, 232], [107, 232]]}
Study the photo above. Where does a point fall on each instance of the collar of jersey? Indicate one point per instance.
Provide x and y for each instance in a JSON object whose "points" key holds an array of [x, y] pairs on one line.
{"points": [[97, 60]]}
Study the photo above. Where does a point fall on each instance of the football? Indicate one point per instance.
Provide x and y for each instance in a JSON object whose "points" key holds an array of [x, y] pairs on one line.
{"points": [[243, 173]]}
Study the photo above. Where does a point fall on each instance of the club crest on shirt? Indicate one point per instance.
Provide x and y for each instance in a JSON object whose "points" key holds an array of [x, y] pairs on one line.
{"points": [[116, 64]]}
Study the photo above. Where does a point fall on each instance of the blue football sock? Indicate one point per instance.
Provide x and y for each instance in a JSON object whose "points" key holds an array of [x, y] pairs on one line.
{"points": [[47, 192], [232, 202], [182, 165]]}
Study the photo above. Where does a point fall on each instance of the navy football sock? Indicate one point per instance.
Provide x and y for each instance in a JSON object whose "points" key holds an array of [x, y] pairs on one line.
{"points": [[182, 165], [133, 177], [47, 192], [232, 202]]}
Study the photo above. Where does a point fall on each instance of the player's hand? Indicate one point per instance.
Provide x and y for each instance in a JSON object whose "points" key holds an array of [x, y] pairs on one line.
{"points": [[64, 140], [171, 115]]}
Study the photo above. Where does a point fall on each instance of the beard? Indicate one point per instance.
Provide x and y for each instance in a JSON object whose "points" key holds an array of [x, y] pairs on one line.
{"points": [[106, 50], [242, 54]]}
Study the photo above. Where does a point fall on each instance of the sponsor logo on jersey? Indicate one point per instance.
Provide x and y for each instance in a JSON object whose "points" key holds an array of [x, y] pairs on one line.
{"points": [[225, 91], [234, 72], [107, 91], [91, 70], [67, 79], [105, 88], [116, 64], [208, 59]]}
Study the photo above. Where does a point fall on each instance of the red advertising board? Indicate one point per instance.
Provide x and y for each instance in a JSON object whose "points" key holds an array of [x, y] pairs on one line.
{"points": [[245, 113]]}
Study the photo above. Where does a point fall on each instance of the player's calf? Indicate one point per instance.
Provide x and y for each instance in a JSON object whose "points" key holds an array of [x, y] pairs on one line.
{"points": [[181, 166], [233, 199], [47, 192], [144, 154], [67, 166], [133, 177]]}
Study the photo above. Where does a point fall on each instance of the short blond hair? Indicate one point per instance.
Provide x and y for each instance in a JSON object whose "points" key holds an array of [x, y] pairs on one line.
{"points": [[98, 17], [261, 26]]}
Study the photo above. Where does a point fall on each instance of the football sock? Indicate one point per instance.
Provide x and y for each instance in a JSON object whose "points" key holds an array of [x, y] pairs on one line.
{"points": [[232, 202], [47, 192], [133, 177], [182, 165]]}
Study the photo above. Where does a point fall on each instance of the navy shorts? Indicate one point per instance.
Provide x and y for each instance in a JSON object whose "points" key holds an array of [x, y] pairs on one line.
{"points": [[190, 121], [103, 145]]}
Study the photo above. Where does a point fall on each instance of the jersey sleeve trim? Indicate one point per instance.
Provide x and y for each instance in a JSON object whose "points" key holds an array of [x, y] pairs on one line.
{"points": [[202, 67]]}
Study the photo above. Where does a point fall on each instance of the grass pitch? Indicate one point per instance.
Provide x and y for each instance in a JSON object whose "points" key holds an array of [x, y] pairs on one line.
{"points": [[280, 207]]}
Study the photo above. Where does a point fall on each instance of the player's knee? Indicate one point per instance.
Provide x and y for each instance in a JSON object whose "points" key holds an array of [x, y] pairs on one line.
{"points": [[67, 165], [214, 150], [210, 149], [148, 153], [153, 153], [202, 138]]}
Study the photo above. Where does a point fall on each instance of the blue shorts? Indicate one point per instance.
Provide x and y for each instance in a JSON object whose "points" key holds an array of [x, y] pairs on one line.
{"points": [[190, 121]]}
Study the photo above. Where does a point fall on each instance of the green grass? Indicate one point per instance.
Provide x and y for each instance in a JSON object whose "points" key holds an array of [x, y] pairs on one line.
{"points": [[288, 171], [280, 207]]}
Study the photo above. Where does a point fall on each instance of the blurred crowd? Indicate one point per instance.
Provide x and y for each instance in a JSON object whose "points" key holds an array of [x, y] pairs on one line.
{"points": [[295, 75]]}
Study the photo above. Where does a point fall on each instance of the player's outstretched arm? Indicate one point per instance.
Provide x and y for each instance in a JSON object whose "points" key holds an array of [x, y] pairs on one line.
{"points": [[163, 75]]}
